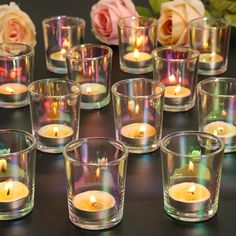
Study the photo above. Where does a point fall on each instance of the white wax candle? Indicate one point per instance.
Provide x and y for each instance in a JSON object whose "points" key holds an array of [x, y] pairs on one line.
{"points": [[93, 92], [13, 88], [210, 61], [58, 58], [137, 56]]}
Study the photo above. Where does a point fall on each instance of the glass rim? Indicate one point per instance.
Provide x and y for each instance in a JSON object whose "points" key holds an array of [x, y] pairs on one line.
{"points": [[212, 80], [190, 132], [194, 56], [150, 19], [73, 49], [29, 53], [55, 80], [28, 135], [126, 81], [205, 18], [80, 21], [124, 155]]}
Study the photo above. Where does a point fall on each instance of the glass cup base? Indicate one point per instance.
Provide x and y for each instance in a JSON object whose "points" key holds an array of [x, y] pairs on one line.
{"points": [[14, 104], [176, 108], [48, 149], [189, 216], [212, 72], [58, 70], [15, 214], [95, 105], [136, 70], [94, 225], [140, 150]]}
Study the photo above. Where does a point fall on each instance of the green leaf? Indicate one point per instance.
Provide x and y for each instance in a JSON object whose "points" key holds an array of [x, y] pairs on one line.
{"points": [[144, 11], [156, 5], [231, 18], [207, 13], [223, 6]]}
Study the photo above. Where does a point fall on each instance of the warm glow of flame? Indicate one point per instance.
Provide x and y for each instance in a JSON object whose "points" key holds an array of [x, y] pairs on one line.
{"points": [[219, 130], [140, 40], [205, 45], [172, 78], [177, 89], [55, 130], [136, 109], [192, 189], [9, 187], [190, 166], [136, 54], [63, 51], [9, 89], [88, 90], [97, 172], [142, 130], [224, 113], [3, 165], [66, 44], [93, 200]]}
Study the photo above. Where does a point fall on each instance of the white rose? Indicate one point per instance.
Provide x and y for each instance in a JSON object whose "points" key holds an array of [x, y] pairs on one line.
{"points": [[16, 26], [174, 19]]}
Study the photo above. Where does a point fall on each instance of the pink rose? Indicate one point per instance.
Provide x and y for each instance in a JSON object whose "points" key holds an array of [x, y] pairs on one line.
{"points": [[174, 19], [16, 26], [105, 15]]}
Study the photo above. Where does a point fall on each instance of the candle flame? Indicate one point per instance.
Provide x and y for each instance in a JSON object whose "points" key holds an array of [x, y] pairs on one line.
{"points": [[3, 165], [205, 45], [55, 130], [97, 172], [140, 40], [88, 90], [142, 130], [93, 200], [136, 109], [192, 189], [136, 54], [172, 78], [190, 166], [219, 130], [177, 89], [9, 187], [9, 89]]}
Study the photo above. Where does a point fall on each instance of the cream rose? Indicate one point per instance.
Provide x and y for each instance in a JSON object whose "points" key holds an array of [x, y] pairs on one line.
{"points": [[174, 19], [105, 15], [16, 25]]}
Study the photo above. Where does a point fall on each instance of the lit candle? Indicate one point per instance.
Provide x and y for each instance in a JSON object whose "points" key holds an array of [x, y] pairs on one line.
{"points": [[11, 92], [137, 58], [189, 196], [13, 195], [3, 165], [58, 59], [176, 95], [93, 92], [138, 134], [223, 130], [93, 204], [210, 61], [55, 134]]}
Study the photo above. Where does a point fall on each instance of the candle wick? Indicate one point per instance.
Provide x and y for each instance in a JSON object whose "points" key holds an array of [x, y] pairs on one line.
{"points": [[95, 204], [8, 191], [56, 134]]}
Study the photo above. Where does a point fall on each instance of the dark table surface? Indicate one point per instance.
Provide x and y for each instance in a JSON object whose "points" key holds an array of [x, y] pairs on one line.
{"points": [[143, 212]]}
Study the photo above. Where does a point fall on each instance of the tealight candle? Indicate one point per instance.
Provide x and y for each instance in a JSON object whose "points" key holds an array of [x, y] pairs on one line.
{"points": [[55, 134], [189, 196], [58, 59], [94, 204], [11, 92], [138, 134], [13, 195], [93, 92], [210, 61], [137, 58], [223, 130], [176, 95]]}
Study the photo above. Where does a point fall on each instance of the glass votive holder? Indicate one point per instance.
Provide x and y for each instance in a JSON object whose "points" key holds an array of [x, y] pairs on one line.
{"points": [[96, 175], [138, 113], [211, 36], [60, 34], [217, 109], [17, 173], [176, 67], [54, 109], [90, 65], [16, 72], [191, 172], [137, 39]]}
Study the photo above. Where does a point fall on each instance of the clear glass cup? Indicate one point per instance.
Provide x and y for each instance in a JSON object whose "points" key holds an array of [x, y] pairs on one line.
{"points": [[176, 67], [137, 39], [16, 72], [210, 36], [90, 65], [60, 34], [191, 172], [96, 175], [217, 109], [138, 113], [55, 113], [17, 173]]}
